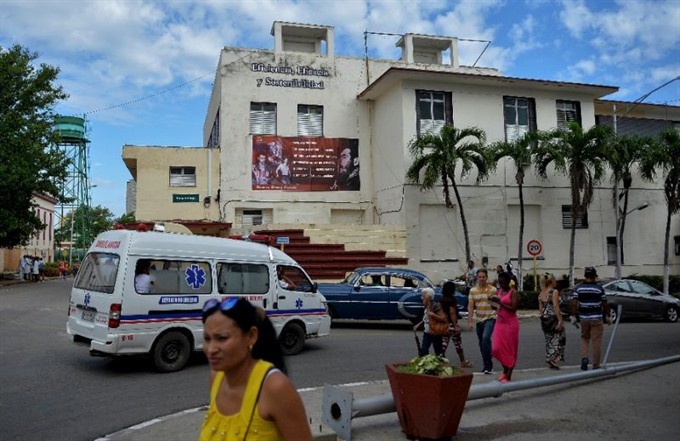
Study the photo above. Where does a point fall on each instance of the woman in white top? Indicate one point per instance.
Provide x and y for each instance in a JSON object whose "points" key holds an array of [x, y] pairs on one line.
{"points": [[143, 281]]}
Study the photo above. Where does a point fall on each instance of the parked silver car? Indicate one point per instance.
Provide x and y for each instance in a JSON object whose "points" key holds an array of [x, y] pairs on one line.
{"points": [[636, 298]]}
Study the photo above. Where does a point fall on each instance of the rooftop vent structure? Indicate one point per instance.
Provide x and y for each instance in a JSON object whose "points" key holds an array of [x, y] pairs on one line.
{"points": [[427, 49], [305, 38]]}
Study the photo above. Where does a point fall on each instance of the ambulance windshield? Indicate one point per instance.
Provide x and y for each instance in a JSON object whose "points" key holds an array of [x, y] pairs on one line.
{"points": [[98, 272]]}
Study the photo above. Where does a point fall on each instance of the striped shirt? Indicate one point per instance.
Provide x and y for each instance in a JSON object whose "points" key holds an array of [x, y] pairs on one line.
{"points": [[479, 299], [590, 297]]}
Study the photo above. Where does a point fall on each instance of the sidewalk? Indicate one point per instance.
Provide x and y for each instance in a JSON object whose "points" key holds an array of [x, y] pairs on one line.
{"points": [[638, 405]]}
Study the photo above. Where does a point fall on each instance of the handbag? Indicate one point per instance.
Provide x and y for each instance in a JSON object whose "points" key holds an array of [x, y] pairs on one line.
{"points": [[437, 327], [548, 323]]}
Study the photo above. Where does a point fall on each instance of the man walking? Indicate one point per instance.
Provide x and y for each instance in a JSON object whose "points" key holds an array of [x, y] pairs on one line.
{"points": [[471, 274], [589, 300], [484, 315]]}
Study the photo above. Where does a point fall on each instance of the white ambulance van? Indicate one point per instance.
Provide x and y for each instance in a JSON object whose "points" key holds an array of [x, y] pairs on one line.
{"points": [[160, 315]]}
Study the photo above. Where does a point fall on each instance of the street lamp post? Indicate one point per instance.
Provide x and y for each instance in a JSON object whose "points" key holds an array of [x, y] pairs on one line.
{"points": [[619, 222]]}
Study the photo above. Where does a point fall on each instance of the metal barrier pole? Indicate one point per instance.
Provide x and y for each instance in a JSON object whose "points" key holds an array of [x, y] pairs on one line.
{"points": [[339, 407], [619, 309]]}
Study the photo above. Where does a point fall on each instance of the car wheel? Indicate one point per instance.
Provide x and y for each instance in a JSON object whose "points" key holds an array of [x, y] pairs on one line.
{"points": [[332, 312], [672, 314], [292, 339], [171, 352], [613, 314]]}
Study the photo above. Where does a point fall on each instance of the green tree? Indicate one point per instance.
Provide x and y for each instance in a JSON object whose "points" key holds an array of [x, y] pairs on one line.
{"points": [[664, 158], [436, 158], [29, 160], [520, 151], [98, 219], [126, 218], [622, 154], [580, 155]]}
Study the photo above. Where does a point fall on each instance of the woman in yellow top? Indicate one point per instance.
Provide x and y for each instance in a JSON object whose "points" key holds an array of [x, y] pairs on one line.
{"points": [[251, 397]]}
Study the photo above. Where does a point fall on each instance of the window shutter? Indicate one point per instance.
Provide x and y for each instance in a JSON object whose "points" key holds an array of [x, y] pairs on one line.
{"points": [[182, 176], [532, 115], [310, 121], [263, 118], [581, 222]]}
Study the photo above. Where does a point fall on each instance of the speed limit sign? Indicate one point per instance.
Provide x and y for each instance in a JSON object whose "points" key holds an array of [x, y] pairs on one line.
{"points": [[534, 247]]}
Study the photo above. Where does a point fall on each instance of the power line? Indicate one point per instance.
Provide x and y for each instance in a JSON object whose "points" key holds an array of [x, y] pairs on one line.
{"points": [[645, 96], [170, 89]]}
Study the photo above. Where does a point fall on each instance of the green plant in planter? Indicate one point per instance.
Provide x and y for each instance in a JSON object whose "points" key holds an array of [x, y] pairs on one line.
{"points": [[430, 364]]}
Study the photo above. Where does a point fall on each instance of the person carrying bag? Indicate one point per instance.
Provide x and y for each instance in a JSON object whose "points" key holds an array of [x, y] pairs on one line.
{"points": [[434, 324]]}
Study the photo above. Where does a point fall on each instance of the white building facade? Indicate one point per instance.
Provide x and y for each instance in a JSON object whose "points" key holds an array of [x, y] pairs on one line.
{"points": [[311, 138]]}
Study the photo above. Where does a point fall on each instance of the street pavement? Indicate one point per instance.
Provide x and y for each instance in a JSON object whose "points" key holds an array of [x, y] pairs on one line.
{"points": [[638, 405]]}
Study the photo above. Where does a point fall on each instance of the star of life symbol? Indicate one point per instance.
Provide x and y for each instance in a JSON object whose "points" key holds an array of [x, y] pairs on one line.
{"points": [[195, 276], [298, 303], [87, 298]]}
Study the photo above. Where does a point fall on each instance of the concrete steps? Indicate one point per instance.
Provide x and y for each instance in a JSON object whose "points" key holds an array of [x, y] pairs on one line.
{"points": [[329, 258]]}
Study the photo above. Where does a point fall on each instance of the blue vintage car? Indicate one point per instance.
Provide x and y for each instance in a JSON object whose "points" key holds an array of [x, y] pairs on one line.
{"points": [[381, 294]]}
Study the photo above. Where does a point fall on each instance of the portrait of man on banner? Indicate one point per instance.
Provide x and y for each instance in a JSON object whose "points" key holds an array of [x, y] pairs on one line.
{"points": [[348, 169]]}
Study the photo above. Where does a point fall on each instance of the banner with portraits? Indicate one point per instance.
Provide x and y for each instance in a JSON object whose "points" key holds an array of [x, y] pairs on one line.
{"points": [[305, 164]]}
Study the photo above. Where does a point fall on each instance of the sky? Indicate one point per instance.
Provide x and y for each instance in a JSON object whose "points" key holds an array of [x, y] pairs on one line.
{"points": [[141, 71]]}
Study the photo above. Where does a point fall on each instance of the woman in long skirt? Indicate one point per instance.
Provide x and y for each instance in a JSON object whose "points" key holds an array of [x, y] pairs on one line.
{"points": [[549, 306]]}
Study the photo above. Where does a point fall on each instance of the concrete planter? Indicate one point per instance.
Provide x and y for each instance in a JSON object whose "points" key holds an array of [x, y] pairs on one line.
{"points": [[429, 407]]}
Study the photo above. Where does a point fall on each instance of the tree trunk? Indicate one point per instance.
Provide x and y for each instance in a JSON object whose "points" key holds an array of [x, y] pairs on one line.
{"points": [[572, 244], [666, 250], [521, 239], [462, 219], [623, 221]]}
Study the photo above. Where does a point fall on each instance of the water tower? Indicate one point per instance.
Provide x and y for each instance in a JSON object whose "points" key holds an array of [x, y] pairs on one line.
{"points": [[75, 189]]}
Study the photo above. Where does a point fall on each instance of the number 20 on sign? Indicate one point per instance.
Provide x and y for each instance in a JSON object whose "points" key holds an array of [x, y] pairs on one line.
{"points": [[534, 248]]}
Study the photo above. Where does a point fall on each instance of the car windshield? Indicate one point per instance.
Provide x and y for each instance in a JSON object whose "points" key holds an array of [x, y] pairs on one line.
{"points": [[98, 272], [350, 278]]}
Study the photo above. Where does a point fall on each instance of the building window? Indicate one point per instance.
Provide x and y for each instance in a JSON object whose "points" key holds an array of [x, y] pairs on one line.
{"points": [[568, 111], [520, 117], [182, 176], [310, 120], [676, 239], [262, 118], [252, 217], [611, 250], [433, 111], [214, 139], [581, 222]]}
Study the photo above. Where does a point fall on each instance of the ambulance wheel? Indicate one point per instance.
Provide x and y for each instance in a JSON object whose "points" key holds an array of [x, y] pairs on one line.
{"points": [[292, 339], [171, 352]]}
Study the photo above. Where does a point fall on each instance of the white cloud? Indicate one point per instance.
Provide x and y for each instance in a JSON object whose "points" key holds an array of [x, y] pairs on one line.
{"points": [[582, 69], [576, 16]]}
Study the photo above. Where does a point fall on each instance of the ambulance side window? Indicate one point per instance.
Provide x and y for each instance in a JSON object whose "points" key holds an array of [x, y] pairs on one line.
{"points": [[179, 277], [242, 278], [295, 277]]}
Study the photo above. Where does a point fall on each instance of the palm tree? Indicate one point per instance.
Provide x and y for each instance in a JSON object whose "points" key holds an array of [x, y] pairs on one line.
{"points": [[437, 156], [580, 155], [622, 153], [664, 157], [520, 151]]}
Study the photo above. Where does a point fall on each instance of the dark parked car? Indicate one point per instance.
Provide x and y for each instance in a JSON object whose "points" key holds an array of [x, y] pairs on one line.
{"points": [[636, 298], [381, 294]]}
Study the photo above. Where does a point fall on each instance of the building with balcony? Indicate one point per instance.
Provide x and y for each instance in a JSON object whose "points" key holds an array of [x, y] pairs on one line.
{"points": [[301, 137]]}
